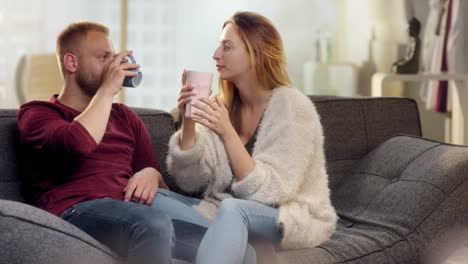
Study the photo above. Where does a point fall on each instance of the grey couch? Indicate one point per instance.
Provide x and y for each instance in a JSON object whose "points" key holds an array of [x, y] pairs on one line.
{"points": [[394, 191]]}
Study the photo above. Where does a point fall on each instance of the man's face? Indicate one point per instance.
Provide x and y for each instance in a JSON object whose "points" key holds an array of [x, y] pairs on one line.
{"points": [[95, 53]]}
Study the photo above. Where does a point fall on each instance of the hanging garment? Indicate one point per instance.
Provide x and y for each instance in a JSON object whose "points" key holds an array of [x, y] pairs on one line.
{"points": [[442, 91], [443, 50], [433, 48]]}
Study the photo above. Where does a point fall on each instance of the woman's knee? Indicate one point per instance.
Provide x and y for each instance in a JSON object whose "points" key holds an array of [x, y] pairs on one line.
{"points": [[232, 206]]}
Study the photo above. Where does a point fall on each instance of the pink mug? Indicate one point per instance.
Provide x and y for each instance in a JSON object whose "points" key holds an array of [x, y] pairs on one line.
{"points": [[201, 81]]}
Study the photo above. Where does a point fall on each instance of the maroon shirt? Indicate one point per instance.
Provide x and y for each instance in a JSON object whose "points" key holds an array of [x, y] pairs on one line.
{"points": [[63, 163]]}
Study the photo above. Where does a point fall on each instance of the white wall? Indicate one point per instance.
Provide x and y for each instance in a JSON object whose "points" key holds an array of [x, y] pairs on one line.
{"points": [[195, 35], [199, 26]]}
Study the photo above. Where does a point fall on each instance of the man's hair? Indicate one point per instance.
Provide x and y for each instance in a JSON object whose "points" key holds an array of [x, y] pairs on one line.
{"points": [[69, 39]]}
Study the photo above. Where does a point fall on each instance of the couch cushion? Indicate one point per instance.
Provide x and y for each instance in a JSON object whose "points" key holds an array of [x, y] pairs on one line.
{"points": [[393, 192], [354, 126], [31, 235], [316, 255]]}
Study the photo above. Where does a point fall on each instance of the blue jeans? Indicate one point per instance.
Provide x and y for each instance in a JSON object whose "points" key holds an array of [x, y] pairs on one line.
{"points": [[226, 240], [137, 232]]}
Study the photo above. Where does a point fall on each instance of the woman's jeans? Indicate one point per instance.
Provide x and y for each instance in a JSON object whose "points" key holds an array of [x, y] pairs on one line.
{"points": [[139, 233], [226, 240]]}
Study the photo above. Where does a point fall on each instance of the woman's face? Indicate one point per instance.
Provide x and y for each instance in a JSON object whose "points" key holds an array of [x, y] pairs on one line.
{"points": [[231, 56]]}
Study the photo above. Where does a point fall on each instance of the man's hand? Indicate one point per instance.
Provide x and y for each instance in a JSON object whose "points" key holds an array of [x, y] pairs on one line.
{"points": [[96, 115], [115, 73], [142, 187]]}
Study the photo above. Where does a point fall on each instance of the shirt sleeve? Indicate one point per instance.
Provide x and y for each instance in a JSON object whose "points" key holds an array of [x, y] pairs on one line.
{"points": [[143, 155], [43, 127]]}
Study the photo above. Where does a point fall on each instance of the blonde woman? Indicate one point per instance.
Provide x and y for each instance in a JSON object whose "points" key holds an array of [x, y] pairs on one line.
{"points": [[255, 152]]}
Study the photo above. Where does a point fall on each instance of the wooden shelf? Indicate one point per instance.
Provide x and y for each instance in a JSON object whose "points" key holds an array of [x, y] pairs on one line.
{"points": [[379, 79]]}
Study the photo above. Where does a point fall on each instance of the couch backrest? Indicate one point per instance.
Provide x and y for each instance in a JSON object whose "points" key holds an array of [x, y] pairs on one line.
{"points": [[352, 128], [9, 180], [355, 126], [160, 125]]}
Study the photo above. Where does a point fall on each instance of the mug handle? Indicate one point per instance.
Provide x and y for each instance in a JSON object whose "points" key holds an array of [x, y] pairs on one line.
{"points": [[132, 59]]}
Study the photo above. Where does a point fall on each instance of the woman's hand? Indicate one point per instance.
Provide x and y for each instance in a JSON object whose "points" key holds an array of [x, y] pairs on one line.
{"points": [[187, 135], [213, 115], [185, 96]]}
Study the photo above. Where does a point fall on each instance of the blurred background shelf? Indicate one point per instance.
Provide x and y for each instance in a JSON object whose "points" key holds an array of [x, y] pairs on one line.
{"points": [[339, 79], [455, 128]]}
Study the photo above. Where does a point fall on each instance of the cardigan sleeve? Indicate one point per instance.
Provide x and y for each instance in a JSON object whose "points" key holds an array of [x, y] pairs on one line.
{"points": [[190, 168], [291, 151]]}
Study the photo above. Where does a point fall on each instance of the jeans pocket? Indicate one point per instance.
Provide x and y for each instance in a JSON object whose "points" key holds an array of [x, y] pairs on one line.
{"points": [[79, 207], [73, 210], [69, 213]]}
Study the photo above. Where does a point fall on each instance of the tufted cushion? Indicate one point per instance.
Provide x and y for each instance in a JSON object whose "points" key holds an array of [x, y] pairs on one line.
{"points": [[355, 126], [387, 201]]}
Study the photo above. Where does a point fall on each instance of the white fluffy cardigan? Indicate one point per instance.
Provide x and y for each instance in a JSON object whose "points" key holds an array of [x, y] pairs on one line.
{"points": [[289, 170]]}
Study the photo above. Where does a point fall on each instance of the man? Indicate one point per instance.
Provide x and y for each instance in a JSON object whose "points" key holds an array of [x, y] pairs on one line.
{"points": [[91, 161]]}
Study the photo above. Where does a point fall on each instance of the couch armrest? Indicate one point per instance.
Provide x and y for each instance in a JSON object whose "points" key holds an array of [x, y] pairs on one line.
{"points": [[32, 235]]}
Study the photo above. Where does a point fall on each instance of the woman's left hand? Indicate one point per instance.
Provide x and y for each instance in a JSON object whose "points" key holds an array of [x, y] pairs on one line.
{"points": [[213, 115]]}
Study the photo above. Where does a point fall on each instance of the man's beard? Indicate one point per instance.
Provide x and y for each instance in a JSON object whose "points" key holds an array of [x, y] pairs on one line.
{"points": [[88, 82]]}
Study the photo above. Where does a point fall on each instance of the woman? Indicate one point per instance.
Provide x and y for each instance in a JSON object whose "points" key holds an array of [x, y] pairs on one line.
{"points": [[255, 152]]}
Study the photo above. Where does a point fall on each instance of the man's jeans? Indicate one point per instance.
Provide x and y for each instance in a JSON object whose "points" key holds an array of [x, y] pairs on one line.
{"points": [[137, 232]]}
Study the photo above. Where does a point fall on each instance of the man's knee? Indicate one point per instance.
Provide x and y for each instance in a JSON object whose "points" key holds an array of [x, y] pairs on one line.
{"points": [[163, 191]]}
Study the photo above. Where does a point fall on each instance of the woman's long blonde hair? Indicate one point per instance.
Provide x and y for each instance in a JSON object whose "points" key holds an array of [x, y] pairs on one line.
{"points": [[267, 59]]}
